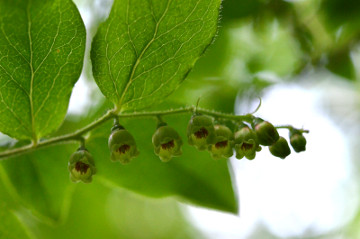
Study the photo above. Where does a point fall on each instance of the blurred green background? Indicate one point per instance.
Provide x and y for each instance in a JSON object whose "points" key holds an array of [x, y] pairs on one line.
{"points": [[302, 57]]}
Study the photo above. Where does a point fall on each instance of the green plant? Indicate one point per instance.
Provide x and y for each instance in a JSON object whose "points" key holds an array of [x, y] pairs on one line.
{"points": [[122, 145], [140, 55], [167, 142], [81, 166]]}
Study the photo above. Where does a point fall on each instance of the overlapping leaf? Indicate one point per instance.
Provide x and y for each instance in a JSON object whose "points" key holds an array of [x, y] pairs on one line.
{"points": [[42, 45], [145, 49]]}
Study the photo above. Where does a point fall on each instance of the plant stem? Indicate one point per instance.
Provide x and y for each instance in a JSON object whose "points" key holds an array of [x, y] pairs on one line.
{"points": [[247, 118], [289, 127], [78, 135]]}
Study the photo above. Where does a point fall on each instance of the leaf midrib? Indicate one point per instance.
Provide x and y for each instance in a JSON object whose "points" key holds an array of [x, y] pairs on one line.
{"points": [[130, 81], [34, 71], [34, 137]]}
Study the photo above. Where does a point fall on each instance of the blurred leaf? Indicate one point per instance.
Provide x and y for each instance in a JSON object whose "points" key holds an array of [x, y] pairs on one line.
{"points": [[10, 226], [235, 9], [339, 12], [40, 181], [194, 177], [342, 20], [42, 47], [255, 9], [145, 49], [99, 212], [341, 64]]}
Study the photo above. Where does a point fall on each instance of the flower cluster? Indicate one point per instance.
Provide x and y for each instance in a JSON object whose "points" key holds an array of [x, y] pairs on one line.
{"points": [[246, 141], [202, 133]]}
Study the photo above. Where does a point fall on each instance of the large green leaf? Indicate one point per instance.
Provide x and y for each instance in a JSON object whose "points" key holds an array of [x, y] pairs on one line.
{"points": [[42, 46], [145, 49], [40, 181], [194, 177], [100, 212], [340, 63], [10, 226]]}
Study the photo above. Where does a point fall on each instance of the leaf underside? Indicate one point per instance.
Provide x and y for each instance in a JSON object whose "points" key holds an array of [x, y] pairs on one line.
{"points": [[42, 46], [145, 49], [194, 177], [10, 226], [40, 181]]}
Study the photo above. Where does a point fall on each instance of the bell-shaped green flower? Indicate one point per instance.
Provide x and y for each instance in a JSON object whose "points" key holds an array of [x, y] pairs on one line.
{"points": [[297, 141], [167, 143], [266, 132], [201, 131], [222, 147], [81, 166], [280, 149], [246, 143], [122, 145]]}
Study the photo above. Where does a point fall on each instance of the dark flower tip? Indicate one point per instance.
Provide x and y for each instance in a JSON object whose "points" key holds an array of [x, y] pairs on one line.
{"points": [[123, 148], [81, 167], [246, 146], [201, 133], [168, 145], [221, 144]]}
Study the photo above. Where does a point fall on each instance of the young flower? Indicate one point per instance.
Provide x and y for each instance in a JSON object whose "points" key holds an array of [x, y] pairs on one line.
{"points": [[297, 141], [280, 148], [167, 143], [81, 166], [223, 144], [122, 145], [201, 132], [246, 143], [266, 132]]}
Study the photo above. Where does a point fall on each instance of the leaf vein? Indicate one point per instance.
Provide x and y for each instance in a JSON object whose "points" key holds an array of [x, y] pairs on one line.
{"points": [[34, 137], [53, 42], [108, 61], [8, 40], [143, 52]]}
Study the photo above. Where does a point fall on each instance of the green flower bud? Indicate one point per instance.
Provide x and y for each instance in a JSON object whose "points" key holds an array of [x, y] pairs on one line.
{"points": [[201, 132], [297, 141], [246, 143], [167, 143], [266, 132], [280, 148], [223, 144], [81, 166], [122, 145]]}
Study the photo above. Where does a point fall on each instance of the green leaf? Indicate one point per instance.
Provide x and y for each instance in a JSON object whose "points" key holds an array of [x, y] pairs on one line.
{"points": [[42, 46], [145, 49], [340, 63], [99, 212], [193, 177], [40, 181], [10, 226]]}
